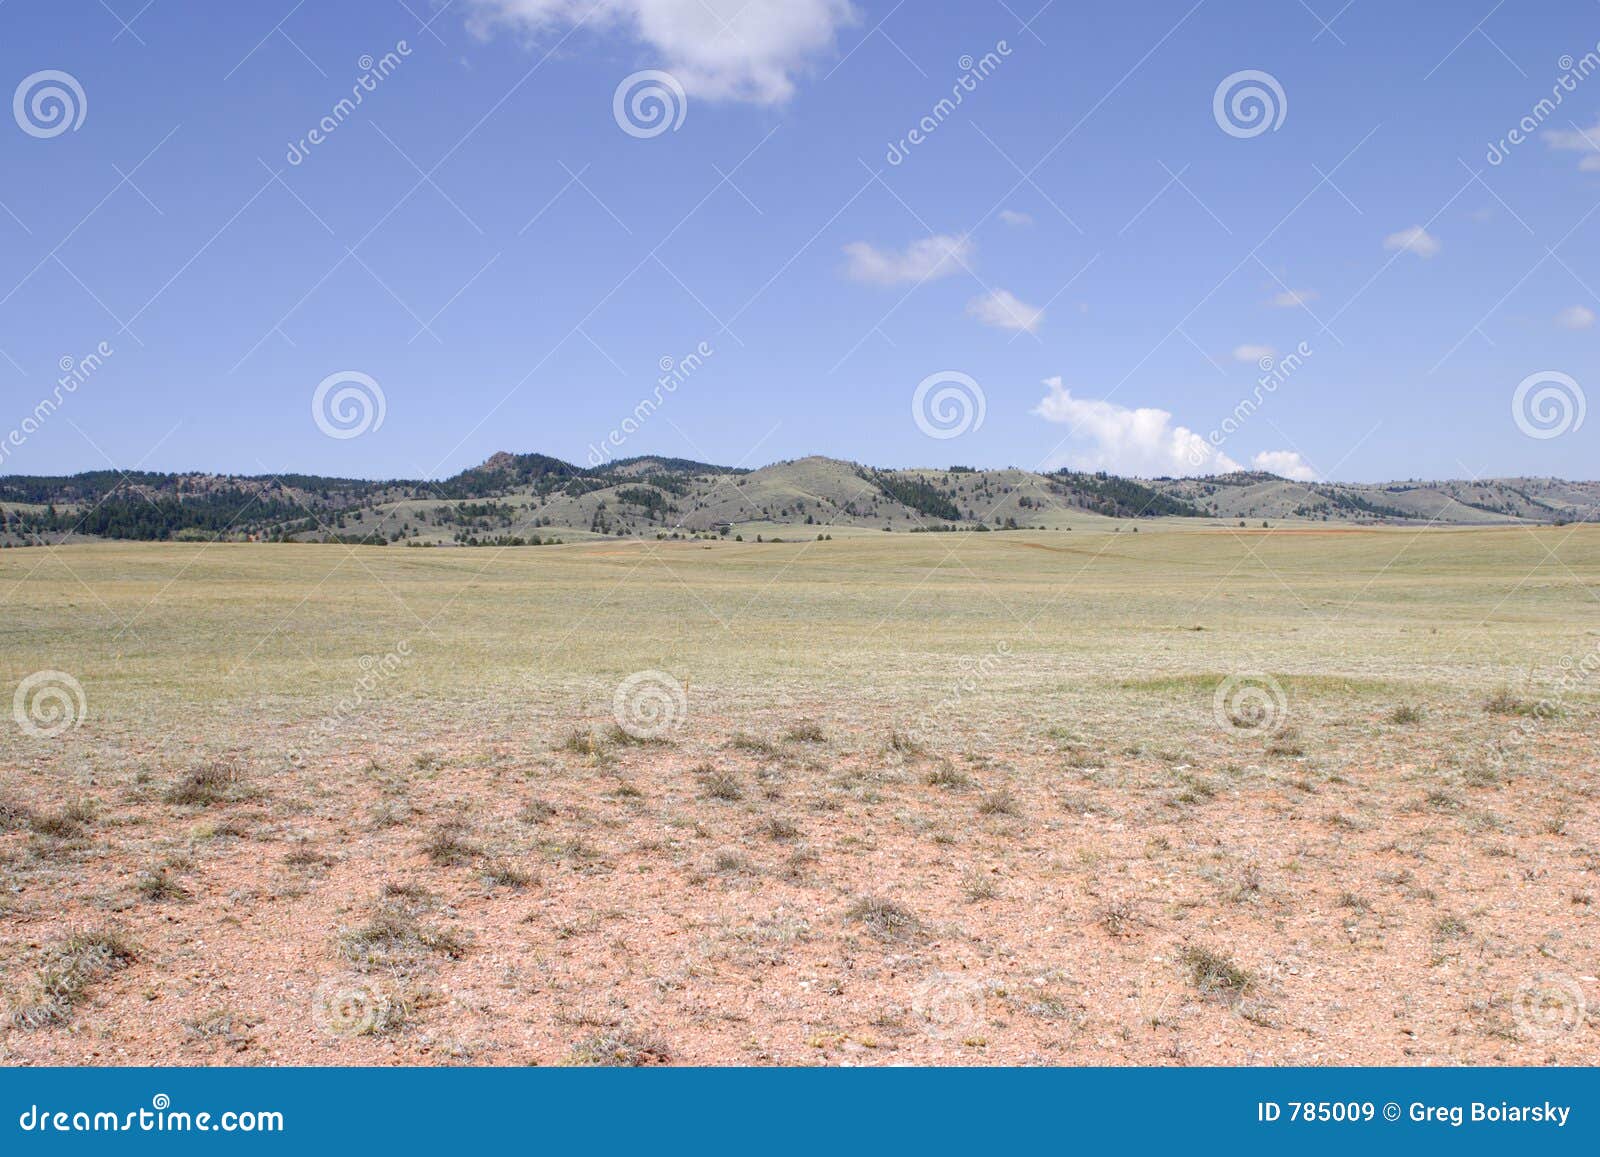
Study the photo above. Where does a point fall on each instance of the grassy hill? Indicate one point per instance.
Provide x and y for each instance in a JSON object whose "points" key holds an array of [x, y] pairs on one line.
{"points": [[533, 499]]}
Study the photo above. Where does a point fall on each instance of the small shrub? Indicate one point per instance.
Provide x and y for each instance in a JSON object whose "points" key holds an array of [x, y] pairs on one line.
{"points": [[805, 731], [1215, 975], [208, 784], [536, 811], [885, 919], [999, 803], [449, 848], [948, 776], [1406, 714], [620, 1048], [158, 887], [717, 784], [781, 829]]}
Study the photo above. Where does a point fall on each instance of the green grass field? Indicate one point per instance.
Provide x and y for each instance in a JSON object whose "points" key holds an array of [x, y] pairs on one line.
{"points": [[956, 798]]}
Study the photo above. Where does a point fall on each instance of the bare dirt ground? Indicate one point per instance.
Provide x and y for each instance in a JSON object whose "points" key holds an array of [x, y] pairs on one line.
{"points": [[1181, 799]]}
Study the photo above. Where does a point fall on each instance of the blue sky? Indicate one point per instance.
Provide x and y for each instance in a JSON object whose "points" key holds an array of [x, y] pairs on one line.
{"points": [[1081, 237]]}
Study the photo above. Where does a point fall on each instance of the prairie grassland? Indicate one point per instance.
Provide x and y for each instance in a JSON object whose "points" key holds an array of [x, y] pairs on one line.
{"points": [[1175, 796]]}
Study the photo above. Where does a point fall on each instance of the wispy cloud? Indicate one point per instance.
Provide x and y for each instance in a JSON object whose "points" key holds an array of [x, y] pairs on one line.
{"points": [[1577, 140], [1252, 353], [1000, 308], [1575, 317], [749, 50], [1416, 240], [1290, 298], [1012, 217], [923, 260]]}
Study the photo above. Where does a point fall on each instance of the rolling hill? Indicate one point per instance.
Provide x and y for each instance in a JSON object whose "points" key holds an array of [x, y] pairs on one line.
{"points": [[531, 499]]}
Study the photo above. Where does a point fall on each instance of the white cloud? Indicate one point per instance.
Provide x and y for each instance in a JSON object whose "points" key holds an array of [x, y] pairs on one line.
{"points": [[1575, 140], [1413, 240], [1290, 298], [1141, 442], [1000, 308], [1285, 464], [923, 260], [1575, 317], [747, 50], [1012, 217], [1253, 353]]}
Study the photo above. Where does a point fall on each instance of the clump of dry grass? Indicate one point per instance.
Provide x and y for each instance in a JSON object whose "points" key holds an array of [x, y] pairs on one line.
{"points": [[536, 811], [1406, 714], [718, 784], [1287, 742], [977, 885], [781, 829], [394, 934], [210, 783], [948, 776], [158, 887], [1118, 917], [907, 744], [805, 731], [886, 920], [619, 1048], [508, 875], [1505, 701], [753, 744], [64, 824], [999, 803], [449, 847], [1215, 975], [68, 970]]}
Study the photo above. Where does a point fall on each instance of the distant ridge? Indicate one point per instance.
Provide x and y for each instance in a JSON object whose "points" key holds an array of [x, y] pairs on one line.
{"points": [[517, 499]]}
